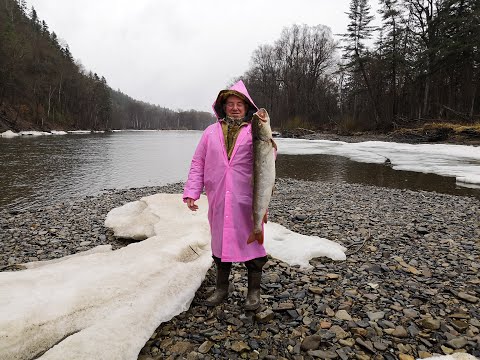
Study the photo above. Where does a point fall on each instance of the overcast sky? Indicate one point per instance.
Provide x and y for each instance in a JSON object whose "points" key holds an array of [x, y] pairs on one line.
{"points": [[178, 53]]}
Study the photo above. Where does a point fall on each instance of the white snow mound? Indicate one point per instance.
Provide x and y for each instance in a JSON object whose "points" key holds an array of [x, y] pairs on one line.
{"points": [[104, 304]]}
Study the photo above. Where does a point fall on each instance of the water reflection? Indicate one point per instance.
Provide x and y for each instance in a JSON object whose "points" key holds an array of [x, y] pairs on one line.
{"points": [[340, 169]]}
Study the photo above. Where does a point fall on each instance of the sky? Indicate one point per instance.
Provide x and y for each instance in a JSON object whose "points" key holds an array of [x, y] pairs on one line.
{"points": [[178, 54]]}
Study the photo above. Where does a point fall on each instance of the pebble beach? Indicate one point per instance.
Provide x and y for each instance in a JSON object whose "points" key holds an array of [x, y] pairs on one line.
{"points": [[409, 288]]}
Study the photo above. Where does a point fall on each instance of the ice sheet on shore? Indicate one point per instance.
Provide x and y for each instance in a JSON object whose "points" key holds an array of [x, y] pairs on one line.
{"points": [[457, 356], [459, 161], [116, 299]]}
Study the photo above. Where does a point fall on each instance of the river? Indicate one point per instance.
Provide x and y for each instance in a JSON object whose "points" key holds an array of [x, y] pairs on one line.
{"points": [[43, 170]]}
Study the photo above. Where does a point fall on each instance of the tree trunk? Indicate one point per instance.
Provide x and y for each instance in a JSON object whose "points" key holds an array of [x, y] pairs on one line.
{"points": [[369, 89]]}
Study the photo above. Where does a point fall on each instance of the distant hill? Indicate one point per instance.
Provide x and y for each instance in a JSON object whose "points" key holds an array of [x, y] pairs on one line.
{"points": [[43, 88]]}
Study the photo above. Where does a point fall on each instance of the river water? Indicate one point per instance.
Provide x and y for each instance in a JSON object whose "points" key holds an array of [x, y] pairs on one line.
{"points": [[43, 170]]}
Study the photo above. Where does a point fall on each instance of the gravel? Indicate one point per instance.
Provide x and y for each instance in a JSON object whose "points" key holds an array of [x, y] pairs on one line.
{"points": [[408, 289]]}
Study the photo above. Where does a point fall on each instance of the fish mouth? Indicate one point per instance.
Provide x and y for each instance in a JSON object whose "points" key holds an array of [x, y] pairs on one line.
{"points": [[262, 115]]}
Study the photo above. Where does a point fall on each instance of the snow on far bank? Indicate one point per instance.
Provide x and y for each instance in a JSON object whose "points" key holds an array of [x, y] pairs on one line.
{"points": [[459, 161], [105, 304], [33, 133], [58, 132], [8, 134]]}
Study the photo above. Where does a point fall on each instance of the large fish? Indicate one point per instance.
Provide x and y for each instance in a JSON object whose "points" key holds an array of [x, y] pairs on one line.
{"points": [[263, 171]]}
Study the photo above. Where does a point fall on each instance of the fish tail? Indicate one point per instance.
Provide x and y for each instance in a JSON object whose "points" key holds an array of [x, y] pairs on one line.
{"points": [[255, 236]]}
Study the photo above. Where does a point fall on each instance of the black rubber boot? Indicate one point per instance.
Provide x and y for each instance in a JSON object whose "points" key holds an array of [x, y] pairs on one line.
{"points": [[253, 295], [254, 280], [221, 290]]}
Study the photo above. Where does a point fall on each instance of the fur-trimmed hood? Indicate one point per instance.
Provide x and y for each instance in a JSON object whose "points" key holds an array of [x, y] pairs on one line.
{"points": [[237, 89]]}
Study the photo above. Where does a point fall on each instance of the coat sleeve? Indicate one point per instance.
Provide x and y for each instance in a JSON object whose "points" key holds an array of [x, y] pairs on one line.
{"points": [[194, 185]]}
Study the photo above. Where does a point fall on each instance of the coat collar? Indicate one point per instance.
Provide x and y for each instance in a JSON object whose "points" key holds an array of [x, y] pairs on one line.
{"points": [[242, 137]]}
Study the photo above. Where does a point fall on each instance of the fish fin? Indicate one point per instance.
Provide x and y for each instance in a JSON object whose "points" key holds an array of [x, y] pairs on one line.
{"points": [[255, 237], [274, 144], [259, 237]]}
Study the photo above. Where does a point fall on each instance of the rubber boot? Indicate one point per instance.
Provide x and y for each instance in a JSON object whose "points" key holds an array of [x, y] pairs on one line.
{"points": [[254, 267], [253, 295], [221, 290]]}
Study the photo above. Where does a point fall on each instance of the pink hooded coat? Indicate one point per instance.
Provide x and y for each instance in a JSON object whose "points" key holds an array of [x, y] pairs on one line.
{"points": [[228, 185]]}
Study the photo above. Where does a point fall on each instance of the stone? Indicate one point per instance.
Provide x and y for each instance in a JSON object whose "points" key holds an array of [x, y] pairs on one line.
{"points": [[459, 325], [239, 346], [457, 343], [284, 306], [430, 323], [405, 357], [410, 313], [311, 342], [181, 347], [339, 332], [205, 347], [265, 316], [347, 342], [343, 315], [365, 344], [400, 332], [315, 290], [374, 316], [467, 297], [323, 354]]}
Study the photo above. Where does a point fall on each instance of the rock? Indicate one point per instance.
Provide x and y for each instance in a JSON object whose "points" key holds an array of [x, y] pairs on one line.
{"points": [[205, 347], [400, 332], [410, 313], [457, 343], [311, 342], [265, 316], [380, 345], [181, 347], [239, 346], [365, 344], [405, 357], [467, 297], [322, 354], [284, 306], [459, 325], [374, 316], [316, 290], [343, 315], [339, 332], [430, 323]]}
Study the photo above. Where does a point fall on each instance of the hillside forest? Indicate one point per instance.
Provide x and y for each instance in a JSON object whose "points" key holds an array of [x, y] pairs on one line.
{"points": [[420, 65], [42, 87]]}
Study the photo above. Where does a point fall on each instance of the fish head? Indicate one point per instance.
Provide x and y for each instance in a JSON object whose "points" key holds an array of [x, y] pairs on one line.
{"points": [[261, 122], [262, 115]]}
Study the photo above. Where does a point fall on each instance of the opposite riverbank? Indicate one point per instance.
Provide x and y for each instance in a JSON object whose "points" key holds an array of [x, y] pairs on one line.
{"points": [[409, 287]]}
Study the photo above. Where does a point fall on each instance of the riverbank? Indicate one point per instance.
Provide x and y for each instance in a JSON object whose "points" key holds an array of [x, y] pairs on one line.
{"points": [[401, 137], [428, 134], [409, 286]]}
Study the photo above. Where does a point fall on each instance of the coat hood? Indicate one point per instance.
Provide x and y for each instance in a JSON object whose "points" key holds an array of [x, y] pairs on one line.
{"points": [[237, 89]]}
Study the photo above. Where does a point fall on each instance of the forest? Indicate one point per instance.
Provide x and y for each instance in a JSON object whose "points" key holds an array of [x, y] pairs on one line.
{"points": [[420, 65], [42, 87]]}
